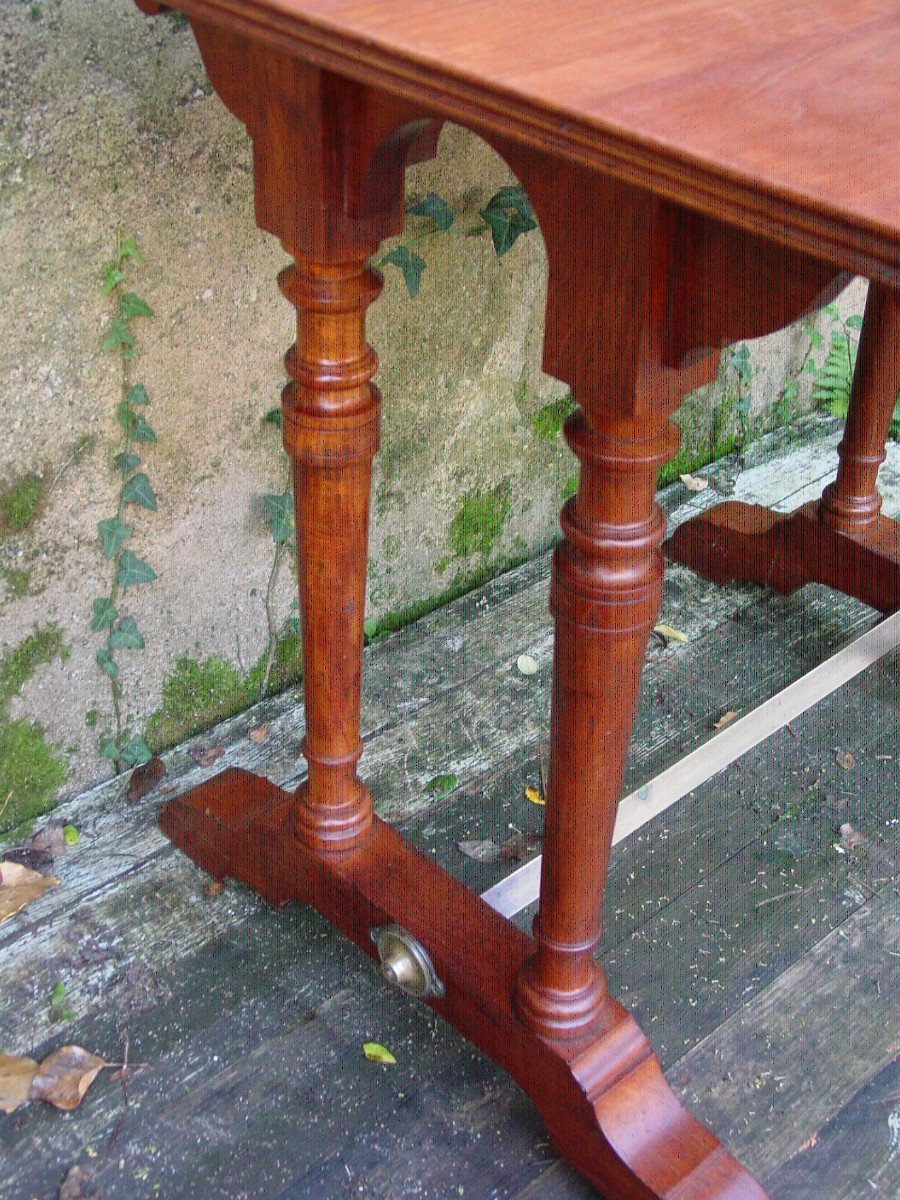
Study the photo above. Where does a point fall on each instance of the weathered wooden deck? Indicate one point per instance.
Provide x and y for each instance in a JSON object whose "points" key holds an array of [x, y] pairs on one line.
{"points": [[763, 962]]}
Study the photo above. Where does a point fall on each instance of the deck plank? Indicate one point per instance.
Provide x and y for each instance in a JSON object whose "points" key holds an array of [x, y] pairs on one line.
{"points": [[252, 1020]]}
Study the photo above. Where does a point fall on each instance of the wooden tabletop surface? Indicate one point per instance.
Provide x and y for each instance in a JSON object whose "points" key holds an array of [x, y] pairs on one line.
{"points": [[781, 114]]}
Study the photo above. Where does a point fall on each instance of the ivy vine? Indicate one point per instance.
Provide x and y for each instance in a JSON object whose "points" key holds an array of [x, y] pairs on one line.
{"points": [[120, 745]]}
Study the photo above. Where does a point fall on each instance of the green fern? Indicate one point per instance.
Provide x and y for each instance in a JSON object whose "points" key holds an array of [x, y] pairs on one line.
{"points": [[833, 380]]}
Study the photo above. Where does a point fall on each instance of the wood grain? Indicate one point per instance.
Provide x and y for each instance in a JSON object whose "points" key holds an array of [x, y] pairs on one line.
{"points": [[781, 116]]}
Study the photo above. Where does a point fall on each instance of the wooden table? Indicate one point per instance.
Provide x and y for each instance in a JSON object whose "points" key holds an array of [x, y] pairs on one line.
{"points": [[702, 171]]}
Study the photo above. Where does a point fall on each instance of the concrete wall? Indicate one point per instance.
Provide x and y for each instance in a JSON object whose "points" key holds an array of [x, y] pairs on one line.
{"points": [[107, 121]]}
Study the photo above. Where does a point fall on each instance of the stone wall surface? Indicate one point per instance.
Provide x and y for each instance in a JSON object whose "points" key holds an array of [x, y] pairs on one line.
{"points": [[107, 122]]}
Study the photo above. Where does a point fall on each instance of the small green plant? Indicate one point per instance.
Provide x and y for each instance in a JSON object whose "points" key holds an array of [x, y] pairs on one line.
{"points": [[833, 381], [120, 745], [59, 1009], [507, 215], [739, 358]]}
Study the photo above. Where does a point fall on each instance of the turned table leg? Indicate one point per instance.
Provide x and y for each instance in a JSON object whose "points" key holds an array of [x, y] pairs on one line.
{"points": [[842, 540], [330, 423], [605, 594], [852, 503]]}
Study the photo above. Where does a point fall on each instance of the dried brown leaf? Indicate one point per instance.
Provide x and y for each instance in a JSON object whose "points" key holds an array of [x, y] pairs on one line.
{"points": [[851, 838], [845, 760], [669, 634], [725, 719], [520, 847], [19, 886], [259, 734], [51, 839], [145, 778], [211, 754], [532, 794], [694, 483], [75, 1186], [63, 1078], [16, 1075], [481, 851], [213, 888]]}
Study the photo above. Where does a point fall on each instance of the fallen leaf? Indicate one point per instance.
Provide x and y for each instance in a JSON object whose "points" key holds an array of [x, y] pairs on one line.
{"points": [[75, 1185], [442, 784], [63, 1078], [694, 483], [51, 839], [668, 634], [484, 851], [71, 836], [213, 888], [725, 719], [58, 1010], [526, 665], [532, 794], [19, 886], [145, 778], [845, 760], [851, 838], [16, 1075], [377, 1053], [259, 734], [211, 754], [520, 847]]}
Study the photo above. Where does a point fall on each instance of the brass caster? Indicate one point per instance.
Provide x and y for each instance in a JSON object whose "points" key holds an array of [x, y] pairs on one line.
{"points": [[405, 963]]}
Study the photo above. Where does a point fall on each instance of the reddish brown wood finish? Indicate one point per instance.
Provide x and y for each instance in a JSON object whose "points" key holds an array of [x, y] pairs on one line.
{"points": [[603, 1097], [842, 540], [642, 294]]}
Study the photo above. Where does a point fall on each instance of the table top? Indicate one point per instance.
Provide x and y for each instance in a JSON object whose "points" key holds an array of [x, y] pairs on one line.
{"points": [[780, 115]]}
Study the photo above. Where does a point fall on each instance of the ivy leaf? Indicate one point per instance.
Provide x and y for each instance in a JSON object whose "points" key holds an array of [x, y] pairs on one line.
{"points": [[109, 748], [436, 207], [134, 306], [141, 431], [272, 417], [138, 491], [112, 277], [370, 627], [126, 636], [281, 516], [411, 264], [128, 249], [106, 663], [105, 614], [508, 214], [117, 335], [113, 533], [135, 752], [126, 463], [855, 322], [137, 394], [133, 570]]}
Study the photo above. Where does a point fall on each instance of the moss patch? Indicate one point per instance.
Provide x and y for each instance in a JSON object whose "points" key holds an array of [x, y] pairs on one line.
{"points": [[197, 695], [15, 582], [18, 666], [31, 771], [20, 504], [550, 418], [479, 520]]}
